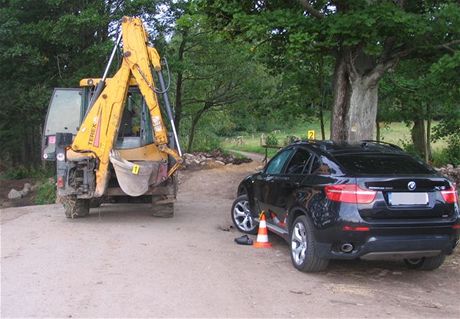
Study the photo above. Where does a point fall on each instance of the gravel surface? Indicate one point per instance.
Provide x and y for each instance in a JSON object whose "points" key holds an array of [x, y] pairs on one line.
{"points": [[121, 262]]}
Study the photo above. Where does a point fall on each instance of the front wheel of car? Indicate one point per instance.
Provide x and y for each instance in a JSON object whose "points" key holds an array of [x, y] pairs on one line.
{"points": [[304, 248], [425, 263], [242, 217]]}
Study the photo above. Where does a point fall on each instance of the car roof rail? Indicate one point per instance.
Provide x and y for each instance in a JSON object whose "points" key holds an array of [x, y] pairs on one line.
{"points": [[321, 144], [366, 142]]}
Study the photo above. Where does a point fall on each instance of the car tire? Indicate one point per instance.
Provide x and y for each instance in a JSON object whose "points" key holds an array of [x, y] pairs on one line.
{"points": [[425, 263], [75, 207], [304, 249], [242, 217]]}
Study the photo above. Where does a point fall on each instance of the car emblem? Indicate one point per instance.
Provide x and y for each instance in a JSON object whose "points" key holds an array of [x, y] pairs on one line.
{"points": [[411, 185]]}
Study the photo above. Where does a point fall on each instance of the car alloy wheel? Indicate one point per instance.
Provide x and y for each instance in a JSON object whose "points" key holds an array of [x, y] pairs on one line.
{"points": [[305, 254], [241, 215], [299, 243]]}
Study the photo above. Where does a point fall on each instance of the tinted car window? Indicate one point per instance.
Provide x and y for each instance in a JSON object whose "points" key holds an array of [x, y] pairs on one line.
{"points": [[381, 164], [298, 162], [277, 163]]}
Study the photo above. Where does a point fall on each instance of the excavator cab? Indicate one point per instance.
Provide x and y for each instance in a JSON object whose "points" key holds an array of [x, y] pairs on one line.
{"points": [[67, 109], [65, 113]]}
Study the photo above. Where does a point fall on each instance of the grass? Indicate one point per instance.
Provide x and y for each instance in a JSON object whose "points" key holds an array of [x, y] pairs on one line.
{"points": [[397, 133], [46, 193]]}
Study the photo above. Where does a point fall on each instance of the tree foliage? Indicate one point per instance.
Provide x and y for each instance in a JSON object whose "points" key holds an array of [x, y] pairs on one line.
{"points": [[244, 65]]}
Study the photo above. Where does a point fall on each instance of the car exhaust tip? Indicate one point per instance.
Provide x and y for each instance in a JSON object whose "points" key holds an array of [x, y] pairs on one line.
{"points": [[347, 248]]}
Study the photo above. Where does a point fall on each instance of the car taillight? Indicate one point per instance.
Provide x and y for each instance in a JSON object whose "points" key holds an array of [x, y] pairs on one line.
{"points": [[450, 196], [349, 193]]}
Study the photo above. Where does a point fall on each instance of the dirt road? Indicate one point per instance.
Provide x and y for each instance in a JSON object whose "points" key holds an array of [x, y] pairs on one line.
{"points": [[121, 262]]}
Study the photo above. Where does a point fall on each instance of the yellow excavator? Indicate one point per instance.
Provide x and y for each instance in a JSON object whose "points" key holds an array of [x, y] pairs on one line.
{"points": [[109, 138]]}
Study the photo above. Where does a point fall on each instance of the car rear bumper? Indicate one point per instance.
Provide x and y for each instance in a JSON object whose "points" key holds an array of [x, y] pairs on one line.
{"points": [[383, 247]]}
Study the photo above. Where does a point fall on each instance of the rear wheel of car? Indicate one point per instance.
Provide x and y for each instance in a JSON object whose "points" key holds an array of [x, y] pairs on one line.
{"points": [[425, 263], [242, 217], [304, 248]]}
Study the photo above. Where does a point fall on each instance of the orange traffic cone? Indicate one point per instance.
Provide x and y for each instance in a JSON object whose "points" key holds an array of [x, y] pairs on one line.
{"points": [[277, 221], [262, 235]]}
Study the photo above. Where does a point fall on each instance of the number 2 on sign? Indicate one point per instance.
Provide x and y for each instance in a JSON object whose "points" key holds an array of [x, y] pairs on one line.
{"points": [[311, 134]]}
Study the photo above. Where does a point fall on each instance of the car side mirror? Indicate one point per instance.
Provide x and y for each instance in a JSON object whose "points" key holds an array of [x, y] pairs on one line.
{"points": [[260, 169]]}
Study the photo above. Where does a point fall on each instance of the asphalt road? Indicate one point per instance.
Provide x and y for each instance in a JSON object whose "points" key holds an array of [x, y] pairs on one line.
{"points": [[121, 262]]}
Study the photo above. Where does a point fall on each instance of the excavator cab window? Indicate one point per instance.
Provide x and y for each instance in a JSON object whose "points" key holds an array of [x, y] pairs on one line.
{"points": [[135, 127], [64, 115]]}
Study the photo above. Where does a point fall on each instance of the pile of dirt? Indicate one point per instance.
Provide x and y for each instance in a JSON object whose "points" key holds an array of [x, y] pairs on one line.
{"points": [[451, 172], [212, 159]]}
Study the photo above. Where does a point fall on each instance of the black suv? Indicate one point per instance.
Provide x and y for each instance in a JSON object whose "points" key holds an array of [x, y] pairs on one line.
{"points": [[340, 201]]}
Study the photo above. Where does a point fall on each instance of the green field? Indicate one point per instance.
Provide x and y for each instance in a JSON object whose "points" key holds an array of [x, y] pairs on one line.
{"points": [[397, 133]]}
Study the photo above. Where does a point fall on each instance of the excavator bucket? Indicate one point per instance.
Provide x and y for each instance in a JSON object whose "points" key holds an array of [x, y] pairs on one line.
{"points": [[136, 177]]}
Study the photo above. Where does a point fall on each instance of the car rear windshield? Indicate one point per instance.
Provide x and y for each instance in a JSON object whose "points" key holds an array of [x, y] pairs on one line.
{"points": [[378, 164]]}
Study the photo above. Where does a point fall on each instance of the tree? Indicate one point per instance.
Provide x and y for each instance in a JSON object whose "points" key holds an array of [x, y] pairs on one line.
{"points": [[46, 44], [366, 38], [213, 73]]}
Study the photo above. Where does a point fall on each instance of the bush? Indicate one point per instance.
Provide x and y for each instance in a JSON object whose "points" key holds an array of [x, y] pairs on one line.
{"points": [[46, 193], [271, 140], [205, 142], [291, 139], [410, 148], [451, 154], [21, 172], [453, 150]]}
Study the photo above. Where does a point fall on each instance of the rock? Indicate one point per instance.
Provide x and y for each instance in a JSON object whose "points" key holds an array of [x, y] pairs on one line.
{"points": [[212, 159], [14, 194], [450, 166], [27, 186], [34, 187]]}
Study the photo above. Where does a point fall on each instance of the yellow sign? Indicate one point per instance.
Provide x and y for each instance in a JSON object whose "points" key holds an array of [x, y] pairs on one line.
{"points": [[135, 169], [311, 135]]}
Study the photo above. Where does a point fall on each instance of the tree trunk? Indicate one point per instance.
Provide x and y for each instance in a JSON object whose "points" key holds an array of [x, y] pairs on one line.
{"points": [[323, 93], [428, 156], [321, 122], [341, 100], [362, 113], [354, 109], [178, 108], [419, 137], [377, 126], [179, 84], [195, 120]]}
